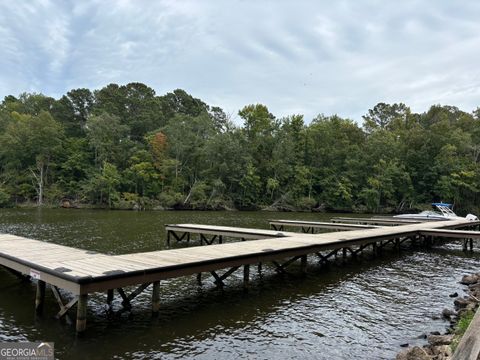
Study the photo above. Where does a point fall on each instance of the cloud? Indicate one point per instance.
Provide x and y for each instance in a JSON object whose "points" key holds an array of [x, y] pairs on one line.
{"points": [[305, 57]]}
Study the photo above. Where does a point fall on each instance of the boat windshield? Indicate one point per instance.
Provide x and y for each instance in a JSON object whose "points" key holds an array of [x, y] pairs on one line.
{"points": [[444, 209]]}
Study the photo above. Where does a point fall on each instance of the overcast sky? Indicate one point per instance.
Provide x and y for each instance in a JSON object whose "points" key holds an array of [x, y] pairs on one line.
{"points": [[304, 57]]}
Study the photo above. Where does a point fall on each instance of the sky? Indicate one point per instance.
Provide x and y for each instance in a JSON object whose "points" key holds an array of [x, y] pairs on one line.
{"points": [[296, 57]]}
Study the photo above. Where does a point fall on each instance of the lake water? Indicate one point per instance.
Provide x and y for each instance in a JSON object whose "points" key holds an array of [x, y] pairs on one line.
{"points": [[364, 309]]}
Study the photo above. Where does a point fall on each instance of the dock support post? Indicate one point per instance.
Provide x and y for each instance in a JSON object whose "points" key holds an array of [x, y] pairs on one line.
{"points": [[82, 313], [260, 268], [40, 296], [109, 297], [413, 241], [471, 244], [246, 276], [465, 244], [156, 297], [303, 264], [379, 247], [199, 279], [428, 241]]}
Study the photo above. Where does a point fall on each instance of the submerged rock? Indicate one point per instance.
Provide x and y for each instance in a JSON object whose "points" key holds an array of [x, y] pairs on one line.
{"points": [[455, 294]]}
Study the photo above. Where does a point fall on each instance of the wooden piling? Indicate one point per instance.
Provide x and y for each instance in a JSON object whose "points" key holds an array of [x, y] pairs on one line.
{"points": [[109, 297], [82, 313], [40, 296], [246, 276], [156, 297], [303, 264]]}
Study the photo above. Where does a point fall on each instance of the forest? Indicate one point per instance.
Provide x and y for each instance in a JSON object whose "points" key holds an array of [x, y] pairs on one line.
{"points": [[124, 147]]}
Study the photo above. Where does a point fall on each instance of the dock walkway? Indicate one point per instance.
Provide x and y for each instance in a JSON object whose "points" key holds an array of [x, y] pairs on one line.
{"points": [[82, 272], [182, 232]]}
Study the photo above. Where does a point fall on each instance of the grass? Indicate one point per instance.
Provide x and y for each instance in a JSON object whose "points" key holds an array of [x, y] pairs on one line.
{"points": [[462, 326]]}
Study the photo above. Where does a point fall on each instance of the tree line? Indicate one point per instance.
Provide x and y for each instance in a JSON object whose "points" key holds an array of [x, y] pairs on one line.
{"points": [[126, 147]]}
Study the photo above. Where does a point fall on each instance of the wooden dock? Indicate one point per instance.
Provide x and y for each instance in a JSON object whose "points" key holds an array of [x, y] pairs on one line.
{"points": [[465, 235], [310, 226], [181, 232], [208, 234], [84, 272], [375, 221]]}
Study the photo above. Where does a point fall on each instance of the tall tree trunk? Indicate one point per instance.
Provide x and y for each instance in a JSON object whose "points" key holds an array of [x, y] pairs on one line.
{"points": [[40, 185], [39, 176]]}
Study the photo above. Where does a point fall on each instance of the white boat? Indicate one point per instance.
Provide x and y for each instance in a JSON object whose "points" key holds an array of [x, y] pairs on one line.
{"points": [[442, 211]]}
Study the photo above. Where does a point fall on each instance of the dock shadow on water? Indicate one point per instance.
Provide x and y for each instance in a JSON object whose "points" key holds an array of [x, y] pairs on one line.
{"points": [[364, 309]]}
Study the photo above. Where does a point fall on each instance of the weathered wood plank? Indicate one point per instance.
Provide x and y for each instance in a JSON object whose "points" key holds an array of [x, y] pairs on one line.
{"points": [[469, 346]]}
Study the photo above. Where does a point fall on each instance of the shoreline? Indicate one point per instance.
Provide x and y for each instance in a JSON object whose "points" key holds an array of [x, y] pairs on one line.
{"points": [[442, 346], [263, 208]]}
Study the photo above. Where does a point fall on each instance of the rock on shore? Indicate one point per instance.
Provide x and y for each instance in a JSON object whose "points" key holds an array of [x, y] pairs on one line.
{"points": [[438, 347]]}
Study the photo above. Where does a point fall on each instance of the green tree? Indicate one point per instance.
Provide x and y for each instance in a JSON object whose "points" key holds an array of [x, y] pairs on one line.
{"points": [[251, 186], [106, 134], [384, 116], [179, 102], [73, 110], [31, 143]]}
